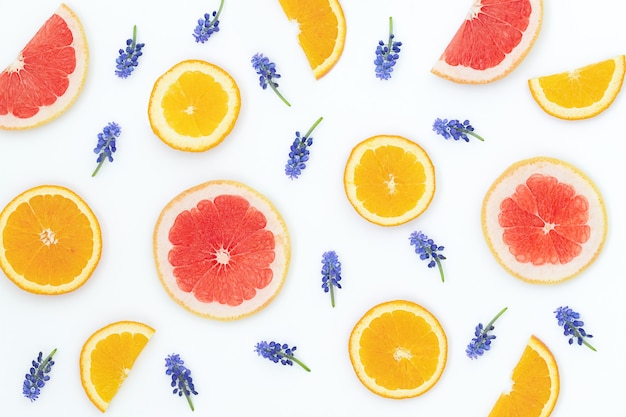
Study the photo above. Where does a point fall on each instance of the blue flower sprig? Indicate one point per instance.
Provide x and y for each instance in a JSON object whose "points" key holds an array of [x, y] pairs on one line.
{"points": [[455, 129], [208, 25], [267, 73], [482, 340], [331, 274], [428, 250], [279, 353], [181, 378], [573, 326], [387, 55], [106, 144], [37, 376], [127, 61], [299, 152]]}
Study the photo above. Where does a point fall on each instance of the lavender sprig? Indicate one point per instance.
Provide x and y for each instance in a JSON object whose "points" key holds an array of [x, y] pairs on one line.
{"points": [[573, 326], [299, 152], [387, 55], [267, 73], [37, 376], [331, 274], [181, 378], [208, 25], [428, 250], [455, 129], [482, 340], [106, 144], [279, 353], [127, 61]]}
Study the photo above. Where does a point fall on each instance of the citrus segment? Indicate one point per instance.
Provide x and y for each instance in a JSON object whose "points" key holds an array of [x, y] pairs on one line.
{"points": [[535, 384], [544, 220], [581, 93], [194, 106], [322, 31], [50, 240], [222, 250], [492, 41], [48, 74], [107, 358], [398, 349], [389, 180]]}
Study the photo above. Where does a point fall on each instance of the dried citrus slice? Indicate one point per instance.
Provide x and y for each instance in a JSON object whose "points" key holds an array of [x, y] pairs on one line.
{"points": [[108, 357], [48, 74], [194, 106], [491, 42], [535, 384], [50, 240], [222, 250], [398, 349], [389, 180], [544, 220], [322, 31], [581, 93]]}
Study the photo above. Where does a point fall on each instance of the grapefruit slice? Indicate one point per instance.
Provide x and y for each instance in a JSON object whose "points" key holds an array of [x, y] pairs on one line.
{"points": [[493, 40], [544, 220], [48, 74], [222, 250]]}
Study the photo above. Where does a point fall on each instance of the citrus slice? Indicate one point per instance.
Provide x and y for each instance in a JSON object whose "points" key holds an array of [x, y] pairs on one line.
{"points": [[398, 349], [389, 180], [535, 384], [48, 74], [50, 240], [544, 220], [222, 250], [582, 93], [491, 42], [108, 357], [322, 31], [194, 106]]}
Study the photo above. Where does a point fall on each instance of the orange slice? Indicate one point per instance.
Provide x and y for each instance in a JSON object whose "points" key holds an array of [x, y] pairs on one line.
{"points": [[544, 220], [48, 74], [491, 42], [582, 93], [194, 106], [222, 250], [535, 385], [50, 240], [322, 31], [398, 349], [107, 358], [389, 180]]}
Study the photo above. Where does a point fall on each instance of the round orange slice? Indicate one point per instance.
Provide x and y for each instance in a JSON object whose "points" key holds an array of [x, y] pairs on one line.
{"points": [[544, 220]]}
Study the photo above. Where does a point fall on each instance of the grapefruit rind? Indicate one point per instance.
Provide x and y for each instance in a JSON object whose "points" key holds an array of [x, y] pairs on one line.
{"points": [[579, 113], [505, 186], [467, 75], [189, 199], [76, 79]]}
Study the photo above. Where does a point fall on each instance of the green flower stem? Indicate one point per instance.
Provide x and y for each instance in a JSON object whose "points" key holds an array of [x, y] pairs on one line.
{"points": [[186, 392], [440, 267], [470, 132], [134, 42], [296, 360], [278, 94], [493, 320], [308, 133], [217, 15], [389, 44], [578, 335], [332, 295], [98, 167], [47, 359]]}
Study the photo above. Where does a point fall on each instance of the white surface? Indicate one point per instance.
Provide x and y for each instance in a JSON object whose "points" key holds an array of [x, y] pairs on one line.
{"points": [[378, 263]]}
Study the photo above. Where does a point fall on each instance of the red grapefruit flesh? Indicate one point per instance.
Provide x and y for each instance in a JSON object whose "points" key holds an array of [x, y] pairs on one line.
{"points": [[46, 78], [544, 220], [222, 250], [493, 39]]}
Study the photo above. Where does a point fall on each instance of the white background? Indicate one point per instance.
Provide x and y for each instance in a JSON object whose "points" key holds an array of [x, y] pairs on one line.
{"points": [[378, 263]]}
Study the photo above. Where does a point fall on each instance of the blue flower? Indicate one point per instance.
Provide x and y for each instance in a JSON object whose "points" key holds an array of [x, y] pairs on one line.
{"points": [[37, 377], [573, 326], [208, 26], [428, 250], [267, 73], [106, 144], [455, 129], [277, 352], [331, 273], [299, 152], [127, 61], [387, 55], [181, 377], [482, 340]]}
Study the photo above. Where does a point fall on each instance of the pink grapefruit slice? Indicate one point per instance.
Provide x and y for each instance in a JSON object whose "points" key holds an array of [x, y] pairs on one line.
{"points": [[222, 250], [48, 74], [544, 220], [493, 40]]}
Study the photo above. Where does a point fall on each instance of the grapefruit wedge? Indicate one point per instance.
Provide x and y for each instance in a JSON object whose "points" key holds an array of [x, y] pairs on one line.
{"points": [[544, 220], [222, 250], [48, 74], [493, 40]]}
